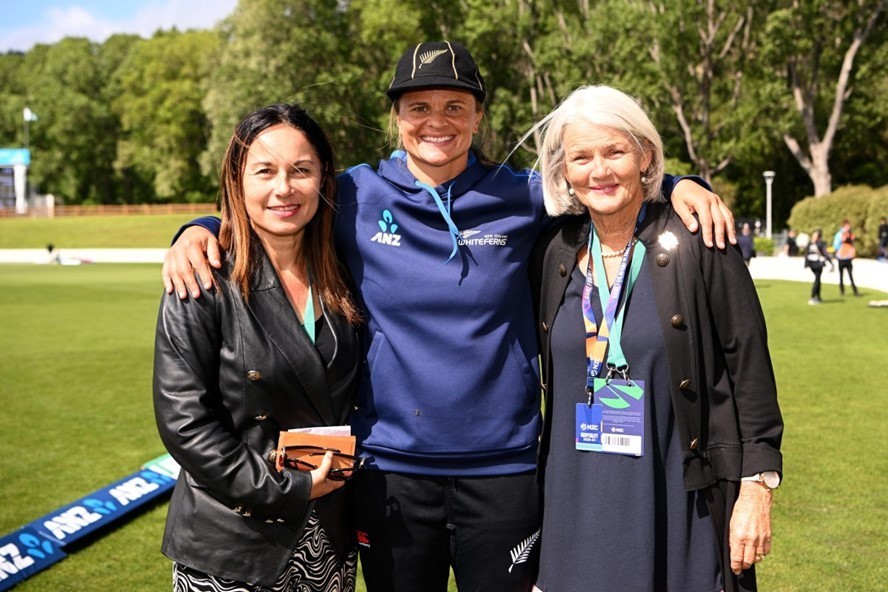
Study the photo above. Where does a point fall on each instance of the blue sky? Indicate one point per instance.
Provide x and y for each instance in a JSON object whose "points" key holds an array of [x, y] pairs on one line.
{"points": [[24, 23]]}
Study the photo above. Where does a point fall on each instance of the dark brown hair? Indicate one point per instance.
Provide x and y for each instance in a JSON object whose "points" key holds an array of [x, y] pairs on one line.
{"points": [[237, 236]]}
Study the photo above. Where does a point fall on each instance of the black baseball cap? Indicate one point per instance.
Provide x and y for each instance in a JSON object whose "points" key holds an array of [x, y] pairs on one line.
{"points": [[437, 64]]}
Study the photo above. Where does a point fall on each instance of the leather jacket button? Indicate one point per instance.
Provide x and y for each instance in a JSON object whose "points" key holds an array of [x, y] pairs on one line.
{"points": [[684, 384], [254, 375], [562, 271], [677, 321], [694, 444], [662, 259]]}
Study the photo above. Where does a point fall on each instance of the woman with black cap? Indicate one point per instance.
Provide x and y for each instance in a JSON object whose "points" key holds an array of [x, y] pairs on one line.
{"points": [[437, 240]]}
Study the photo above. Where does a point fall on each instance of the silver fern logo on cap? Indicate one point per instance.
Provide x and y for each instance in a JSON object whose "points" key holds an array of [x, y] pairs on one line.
{"points": [[428, 57]]}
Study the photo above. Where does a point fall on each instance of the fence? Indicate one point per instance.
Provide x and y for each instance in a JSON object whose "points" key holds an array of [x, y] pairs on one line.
{"points": [[111, 210]]}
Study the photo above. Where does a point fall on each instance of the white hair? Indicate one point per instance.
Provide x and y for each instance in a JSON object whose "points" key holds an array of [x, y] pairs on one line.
{"points": [[599, 105]]}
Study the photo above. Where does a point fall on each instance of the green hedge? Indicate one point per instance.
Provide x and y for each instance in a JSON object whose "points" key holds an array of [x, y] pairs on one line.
{"points": [[860, 204], [763, 246]]}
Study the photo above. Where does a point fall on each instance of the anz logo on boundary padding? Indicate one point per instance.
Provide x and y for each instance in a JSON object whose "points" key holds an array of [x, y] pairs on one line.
{"points": [[389, 228], [87, 514], [38, 545], [24, 553]]}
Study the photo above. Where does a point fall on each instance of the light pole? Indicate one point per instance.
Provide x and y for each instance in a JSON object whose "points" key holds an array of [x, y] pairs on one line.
{"points": [[769, 178], [27, 117]]}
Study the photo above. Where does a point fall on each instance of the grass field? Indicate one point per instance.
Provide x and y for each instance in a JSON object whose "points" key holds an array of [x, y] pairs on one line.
{"points": [[95, 232], [75, 393]]}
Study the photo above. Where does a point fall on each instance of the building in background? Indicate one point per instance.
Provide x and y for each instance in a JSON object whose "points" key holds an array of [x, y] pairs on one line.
{"points": [[14, 164]]}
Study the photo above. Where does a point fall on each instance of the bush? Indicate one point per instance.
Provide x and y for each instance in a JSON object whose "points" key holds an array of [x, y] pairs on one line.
{"points": [[858, 203], [763, 246], [878, 208]]}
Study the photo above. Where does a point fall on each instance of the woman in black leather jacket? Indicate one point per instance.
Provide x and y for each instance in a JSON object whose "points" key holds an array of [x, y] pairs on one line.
{"points": [[272, 346]]}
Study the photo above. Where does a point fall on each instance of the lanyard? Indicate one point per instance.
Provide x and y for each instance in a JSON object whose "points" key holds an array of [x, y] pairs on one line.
{"points": [[308, 314], [603, 342]]}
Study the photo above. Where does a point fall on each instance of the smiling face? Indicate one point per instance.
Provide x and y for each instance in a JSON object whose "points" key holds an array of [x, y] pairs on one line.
{"points": [[436, 128], [604, 167], [281, 182]]}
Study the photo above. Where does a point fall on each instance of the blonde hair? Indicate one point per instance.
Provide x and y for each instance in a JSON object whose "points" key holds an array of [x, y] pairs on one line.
{"points": [[598, 105]]}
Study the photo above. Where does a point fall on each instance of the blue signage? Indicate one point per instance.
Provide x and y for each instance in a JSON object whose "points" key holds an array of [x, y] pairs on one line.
{"points": [[24, 553], [38, 545], [14, 156], [76, 520]]}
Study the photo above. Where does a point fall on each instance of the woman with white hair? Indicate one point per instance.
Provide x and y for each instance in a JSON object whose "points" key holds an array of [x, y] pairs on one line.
{"points": [[661, 441]]}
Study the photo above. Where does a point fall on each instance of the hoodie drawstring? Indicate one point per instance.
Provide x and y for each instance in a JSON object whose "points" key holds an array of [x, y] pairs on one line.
{"points": [[445, 213]]}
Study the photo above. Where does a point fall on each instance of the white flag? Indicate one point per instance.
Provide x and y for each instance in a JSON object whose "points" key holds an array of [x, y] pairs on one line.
{"points": [[29, 115]]}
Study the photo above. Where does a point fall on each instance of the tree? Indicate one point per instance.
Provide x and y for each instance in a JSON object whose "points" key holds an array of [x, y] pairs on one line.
{"points": [[295, 51], [814, 46], [161, 85], [701, 50], [73, 142], [12, 99]]}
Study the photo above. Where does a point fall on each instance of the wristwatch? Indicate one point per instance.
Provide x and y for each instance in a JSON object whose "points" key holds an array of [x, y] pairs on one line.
{"points": [[769, 479]]}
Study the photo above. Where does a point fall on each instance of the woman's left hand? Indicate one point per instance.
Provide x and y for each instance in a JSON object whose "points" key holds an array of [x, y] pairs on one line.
{"points": [[716, 220], [750, 530]]}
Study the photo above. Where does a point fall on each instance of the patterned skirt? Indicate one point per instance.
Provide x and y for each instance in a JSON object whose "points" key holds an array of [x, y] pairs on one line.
{"points": [[313, 567]]}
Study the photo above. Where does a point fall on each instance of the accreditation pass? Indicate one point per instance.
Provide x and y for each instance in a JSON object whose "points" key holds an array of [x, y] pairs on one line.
{"points": [[614, 423]]}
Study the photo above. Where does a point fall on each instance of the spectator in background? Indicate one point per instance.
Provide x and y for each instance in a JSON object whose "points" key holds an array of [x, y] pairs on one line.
{"points": [[845, 254], [791, 248], [816, 256], [746, 243], [883, 238], [837, 237]]}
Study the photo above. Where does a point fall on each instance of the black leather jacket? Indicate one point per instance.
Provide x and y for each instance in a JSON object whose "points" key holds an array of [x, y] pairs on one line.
{"points": [[229, 375]]}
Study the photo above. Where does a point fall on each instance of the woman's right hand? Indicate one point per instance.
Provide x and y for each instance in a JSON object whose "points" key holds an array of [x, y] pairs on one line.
{"points": [[320, 484], [195, 248]]}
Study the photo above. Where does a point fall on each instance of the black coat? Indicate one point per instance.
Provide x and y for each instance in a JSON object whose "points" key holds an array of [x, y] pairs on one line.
{"points": [[723, 388], [228, 377]]}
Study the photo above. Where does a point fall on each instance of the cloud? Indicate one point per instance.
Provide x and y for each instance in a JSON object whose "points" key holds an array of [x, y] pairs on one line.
{"points": [[76, 21], [182, 14]]}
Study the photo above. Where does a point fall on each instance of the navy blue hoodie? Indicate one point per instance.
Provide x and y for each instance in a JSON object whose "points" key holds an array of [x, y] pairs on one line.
{"points": [[450, 385]]}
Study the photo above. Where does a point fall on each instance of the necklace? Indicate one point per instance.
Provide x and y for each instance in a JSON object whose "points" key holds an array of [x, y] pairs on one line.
{"points": [[613, 255]]}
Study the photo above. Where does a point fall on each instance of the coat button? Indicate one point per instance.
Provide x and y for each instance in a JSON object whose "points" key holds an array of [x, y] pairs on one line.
{"points": [[562, 271], [684, 384], [662, 259], [677, 321], [545, 327], [694, 444], [254, 375]]}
